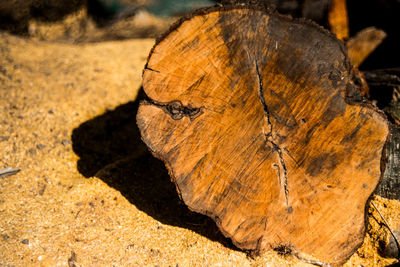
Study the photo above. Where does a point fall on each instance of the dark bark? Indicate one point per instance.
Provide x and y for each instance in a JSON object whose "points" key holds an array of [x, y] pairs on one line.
{"points": [[390, 185], [385, 89]]}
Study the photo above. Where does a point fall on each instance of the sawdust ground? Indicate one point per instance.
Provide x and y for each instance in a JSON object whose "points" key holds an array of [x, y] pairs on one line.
{"points": [[89, 193]]}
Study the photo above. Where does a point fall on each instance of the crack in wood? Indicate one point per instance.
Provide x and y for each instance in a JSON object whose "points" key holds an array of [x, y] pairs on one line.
{"points": [[150, 69], [283, 165], [269, 135], [278, 170], [262, 99]]}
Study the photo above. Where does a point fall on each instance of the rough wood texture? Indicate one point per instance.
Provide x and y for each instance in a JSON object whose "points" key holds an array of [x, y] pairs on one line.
{"points": [[248, 111]]}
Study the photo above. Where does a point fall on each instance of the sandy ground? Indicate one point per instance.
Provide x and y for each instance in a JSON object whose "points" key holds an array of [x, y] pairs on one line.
{"points": [[89, 193]]}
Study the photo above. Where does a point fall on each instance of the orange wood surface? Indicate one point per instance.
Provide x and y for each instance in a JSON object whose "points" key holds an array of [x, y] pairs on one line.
{"points": [[248, 111]]}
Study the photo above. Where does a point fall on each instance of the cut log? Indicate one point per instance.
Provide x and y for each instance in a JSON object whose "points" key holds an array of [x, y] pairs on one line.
{"points": [[248, 110]]}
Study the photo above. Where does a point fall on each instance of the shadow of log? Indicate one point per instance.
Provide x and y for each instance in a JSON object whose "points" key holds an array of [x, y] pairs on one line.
{"points": [[110, 148]]}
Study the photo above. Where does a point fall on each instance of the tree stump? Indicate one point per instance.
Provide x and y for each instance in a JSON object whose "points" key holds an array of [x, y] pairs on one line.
{"points": [[248, 110]]}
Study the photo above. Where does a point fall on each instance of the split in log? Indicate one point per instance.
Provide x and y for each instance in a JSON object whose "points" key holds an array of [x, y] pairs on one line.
{"points": [[248, 110]]}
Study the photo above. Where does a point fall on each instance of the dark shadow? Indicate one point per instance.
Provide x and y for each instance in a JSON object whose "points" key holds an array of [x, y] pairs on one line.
{"points": [[110, 147], [382, 14], [102, 13], [52, 11], [15, 15]]}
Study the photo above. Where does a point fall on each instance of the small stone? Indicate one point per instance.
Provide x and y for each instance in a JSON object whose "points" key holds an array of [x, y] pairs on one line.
{"points": [[40, 146], [390, 249], [66, 142], [25, 241], [4, 138], [31, 152], [42, 189]]}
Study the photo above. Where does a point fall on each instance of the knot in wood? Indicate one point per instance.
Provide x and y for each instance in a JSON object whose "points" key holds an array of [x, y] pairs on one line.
{"points": [[178, 111]]}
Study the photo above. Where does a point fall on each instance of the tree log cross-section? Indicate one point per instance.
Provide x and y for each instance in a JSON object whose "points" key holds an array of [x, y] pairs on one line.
{"points": [[248, 110]]}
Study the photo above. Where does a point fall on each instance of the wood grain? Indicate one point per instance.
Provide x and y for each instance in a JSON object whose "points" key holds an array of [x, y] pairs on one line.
{"points": [[248, 111]]}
